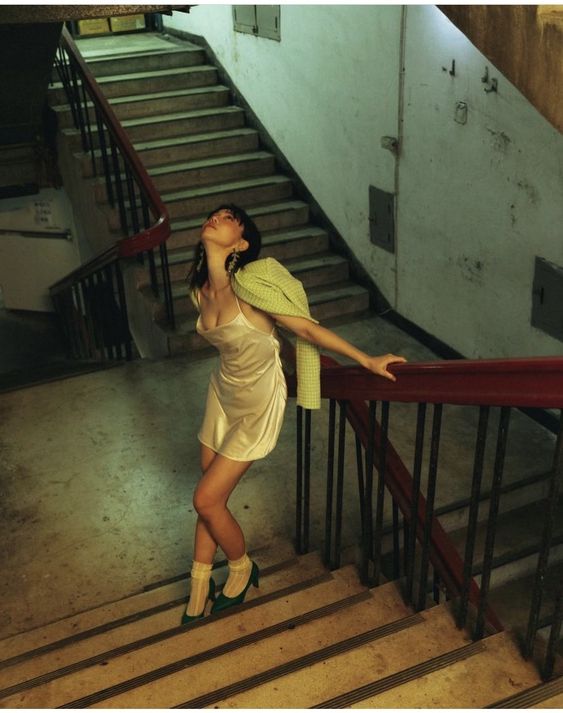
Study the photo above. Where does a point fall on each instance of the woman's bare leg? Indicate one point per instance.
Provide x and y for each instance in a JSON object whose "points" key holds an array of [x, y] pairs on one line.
{"points": [[205, 546], [210, 501]]}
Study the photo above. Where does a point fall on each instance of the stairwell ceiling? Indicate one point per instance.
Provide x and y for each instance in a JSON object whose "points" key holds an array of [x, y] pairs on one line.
{"points": [[17, 14]]}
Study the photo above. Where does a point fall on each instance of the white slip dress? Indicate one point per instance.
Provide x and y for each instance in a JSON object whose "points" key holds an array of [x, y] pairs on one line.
{"points": [[247, 392]]}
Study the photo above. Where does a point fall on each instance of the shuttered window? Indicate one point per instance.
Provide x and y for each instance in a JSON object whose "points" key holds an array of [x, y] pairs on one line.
{"points": [[259, 20]]}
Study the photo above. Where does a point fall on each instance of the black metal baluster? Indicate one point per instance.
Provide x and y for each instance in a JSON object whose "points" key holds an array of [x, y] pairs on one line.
{"points": [[153, 275], [436, 586], [132, 200], [396, 543], [554, 635], [83, 288], [168, 297], [367, 544], [76, 94], [89, 129], [104, 156], [378, 534], [299, 478], [339, 486], [361, 488], [492, 520], [406, 540], [547, 534], [480, 446], [118, 186], [145, 211], [307, 481], [126, 334], [111, 316], [417, 472], [329, 482], [430, 496]]}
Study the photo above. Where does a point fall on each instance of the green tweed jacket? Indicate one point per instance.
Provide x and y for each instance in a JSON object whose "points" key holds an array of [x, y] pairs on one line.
{"points": [[267, 285]]}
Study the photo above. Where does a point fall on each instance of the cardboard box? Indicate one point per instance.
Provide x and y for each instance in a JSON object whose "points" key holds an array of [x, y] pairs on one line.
{"points": [[97, 26], [126, 23]]}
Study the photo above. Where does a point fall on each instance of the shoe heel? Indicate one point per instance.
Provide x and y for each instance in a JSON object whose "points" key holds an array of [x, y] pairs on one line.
{"points": [[211, 595], [255, 575]]}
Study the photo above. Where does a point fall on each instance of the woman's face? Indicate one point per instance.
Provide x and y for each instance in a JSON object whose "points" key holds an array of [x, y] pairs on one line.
{"points": [[222, 228]]}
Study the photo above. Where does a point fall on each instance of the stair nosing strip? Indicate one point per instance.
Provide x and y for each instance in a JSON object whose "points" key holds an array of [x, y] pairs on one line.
{"points": [[209, 654], [128, 619], [409, 674], [303, 661], [526, 699], [148, 641]]}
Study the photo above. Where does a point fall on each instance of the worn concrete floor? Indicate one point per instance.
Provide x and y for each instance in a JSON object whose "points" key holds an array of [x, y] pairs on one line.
{"points": [[97, 472]]}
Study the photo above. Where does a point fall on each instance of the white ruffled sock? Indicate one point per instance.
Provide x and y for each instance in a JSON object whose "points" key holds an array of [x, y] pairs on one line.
{"points": [[239, 572], [200, 576]]}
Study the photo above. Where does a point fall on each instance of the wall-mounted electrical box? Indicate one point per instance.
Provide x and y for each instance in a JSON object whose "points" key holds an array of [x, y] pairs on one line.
{"points": [[547, 298], [382, 218]]}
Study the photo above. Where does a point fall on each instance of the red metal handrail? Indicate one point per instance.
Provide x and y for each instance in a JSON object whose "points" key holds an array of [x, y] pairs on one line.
{"points": [[520, 382], [160, 231]]}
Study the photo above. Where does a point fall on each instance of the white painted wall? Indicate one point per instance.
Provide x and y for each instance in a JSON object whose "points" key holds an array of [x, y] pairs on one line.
{"points": [[30, 265], [476, 202], [326, 93]]}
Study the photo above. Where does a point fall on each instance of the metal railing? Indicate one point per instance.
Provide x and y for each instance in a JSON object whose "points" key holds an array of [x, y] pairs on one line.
{"points": [[421, 553], [143, 217]]}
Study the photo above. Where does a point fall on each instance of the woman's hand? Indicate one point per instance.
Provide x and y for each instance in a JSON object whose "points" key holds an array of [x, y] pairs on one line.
{"points": [[378, 364]]}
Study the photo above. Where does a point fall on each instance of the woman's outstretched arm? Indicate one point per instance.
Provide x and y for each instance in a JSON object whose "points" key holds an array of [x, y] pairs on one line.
{"points": [[324, 338]]}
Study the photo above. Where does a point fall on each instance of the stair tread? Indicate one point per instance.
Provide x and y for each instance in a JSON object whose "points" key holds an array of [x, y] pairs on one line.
{"points": [[248, 627], [82, 621], [147, 74], [435, 634], [206, 162], [186, 254], [495, 673], [173, 49], [193, 138], [374, 611], [168, 94], [253, 211], [220, 187]]}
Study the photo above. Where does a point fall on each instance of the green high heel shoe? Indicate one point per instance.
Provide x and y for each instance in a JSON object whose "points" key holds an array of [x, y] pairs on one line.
{"points": [[186, 618], [224, 602]]}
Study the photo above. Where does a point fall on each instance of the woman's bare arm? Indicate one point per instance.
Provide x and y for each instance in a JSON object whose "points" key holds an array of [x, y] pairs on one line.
{"points": [[323, 337]]}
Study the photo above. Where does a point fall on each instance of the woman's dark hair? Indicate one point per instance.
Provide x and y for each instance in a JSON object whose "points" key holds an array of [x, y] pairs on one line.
{"points": [[197, 276]]}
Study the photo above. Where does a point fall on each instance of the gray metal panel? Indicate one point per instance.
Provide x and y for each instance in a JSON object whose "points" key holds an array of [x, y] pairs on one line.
{"points": [[547, 298], [382, 218], [268, 21], [244, 18]]}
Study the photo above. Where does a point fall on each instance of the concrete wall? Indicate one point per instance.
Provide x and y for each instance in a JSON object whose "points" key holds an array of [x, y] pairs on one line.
{"points": [[476, 202], [30, 265]]}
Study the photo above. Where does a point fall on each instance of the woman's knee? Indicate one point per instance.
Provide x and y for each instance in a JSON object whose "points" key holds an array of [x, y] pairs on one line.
{"points": [[205, 503]]}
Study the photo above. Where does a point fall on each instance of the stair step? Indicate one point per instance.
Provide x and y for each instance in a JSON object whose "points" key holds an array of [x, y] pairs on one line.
{"points": [[154, 104], [544, 695], [473, 682], [157, 594], [267, 217], [316, 272], [282, 244], [159, 640], [332, 671], [123, 85], [194, 201], [207, 171], [178, 56], [265, 641], [174, 125]]}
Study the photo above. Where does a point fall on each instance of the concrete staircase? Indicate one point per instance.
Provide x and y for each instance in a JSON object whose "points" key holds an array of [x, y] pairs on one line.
{"points": [[199, 151], [306, 638]]}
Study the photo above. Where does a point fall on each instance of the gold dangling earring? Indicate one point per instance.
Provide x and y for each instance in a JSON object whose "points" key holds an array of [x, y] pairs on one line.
{"points": [[233, 262]]}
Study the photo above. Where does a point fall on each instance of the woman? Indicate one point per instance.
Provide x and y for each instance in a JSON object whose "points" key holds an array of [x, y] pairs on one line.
{"points": [[247, 394]]}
